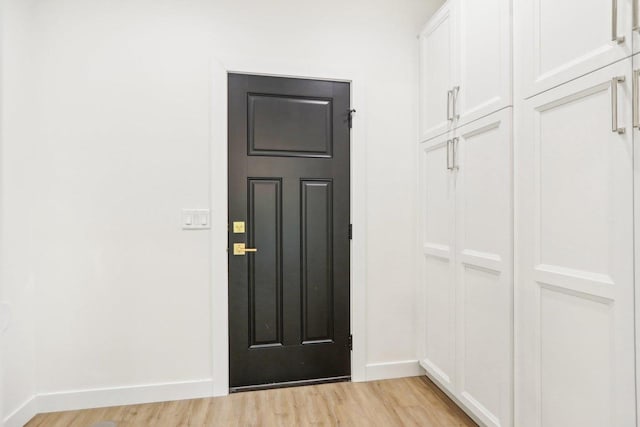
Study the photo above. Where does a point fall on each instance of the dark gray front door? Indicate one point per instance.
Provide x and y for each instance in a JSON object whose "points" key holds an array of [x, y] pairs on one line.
{"points": [[289, 185]]}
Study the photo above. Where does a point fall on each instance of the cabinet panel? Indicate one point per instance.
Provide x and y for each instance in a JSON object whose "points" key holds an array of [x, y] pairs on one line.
{"points": [[561, 40], [484, 268], [438, 285], [483, 57], [635, 23], [636, 178], [436, 74], [574, 291]]}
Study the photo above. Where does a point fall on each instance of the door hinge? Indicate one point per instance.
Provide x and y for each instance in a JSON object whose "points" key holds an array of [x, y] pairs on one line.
{"points": [[350, 342], [350, 117], [350, 231]]}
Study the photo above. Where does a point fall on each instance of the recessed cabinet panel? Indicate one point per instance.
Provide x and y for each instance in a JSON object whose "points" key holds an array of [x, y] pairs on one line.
{"points": [[570, 329], [436, 74], [484, 273], [575, 316], [289, 126], [636, 153], [483, 58], [636, 25], [438, 285], [561, 40]]}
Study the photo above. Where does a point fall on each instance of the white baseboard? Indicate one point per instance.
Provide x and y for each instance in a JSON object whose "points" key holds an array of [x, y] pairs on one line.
{"points": [[388, 370], [113, 396], [22, 415]]}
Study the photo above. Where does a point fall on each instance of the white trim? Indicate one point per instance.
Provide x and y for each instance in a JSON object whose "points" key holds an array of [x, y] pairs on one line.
{"points": [[219, 220], [455, 400], [22, 415], [105, 397], [388, 370], [119, 396]]}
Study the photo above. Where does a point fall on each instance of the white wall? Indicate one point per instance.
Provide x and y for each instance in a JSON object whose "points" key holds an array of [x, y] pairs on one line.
{"points": [[17, 274], [118, 143]]}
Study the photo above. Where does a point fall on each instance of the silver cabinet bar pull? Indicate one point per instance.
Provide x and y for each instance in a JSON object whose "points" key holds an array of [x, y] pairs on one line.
{"points": [[636, 24], [454, 143], [455, 92], [614, 23], [614, 105], [449, 167], [636, 99], [449, 95]]}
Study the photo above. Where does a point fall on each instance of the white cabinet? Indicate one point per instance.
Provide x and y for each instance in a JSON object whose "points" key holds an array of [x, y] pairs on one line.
{"points": [[636, 177], [436, 74], [635, 23], [467, 280], [483, 58], [437, 190], [574, 246], [465, 52], [560, 40]]}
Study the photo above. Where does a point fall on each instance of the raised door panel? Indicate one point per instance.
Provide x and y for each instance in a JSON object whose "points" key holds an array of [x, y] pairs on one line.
{"points": [[436, 73], [483, 57], [561, 40], [438, 285], [575, 358], [484, 268]]}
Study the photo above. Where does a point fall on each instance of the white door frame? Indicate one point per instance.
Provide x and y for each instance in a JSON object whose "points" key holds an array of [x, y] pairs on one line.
{"points": [[219, 204]]}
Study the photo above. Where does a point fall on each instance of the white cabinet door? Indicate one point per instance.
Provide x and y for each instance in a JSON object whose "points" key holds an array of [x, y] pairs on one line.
{"points": [[437, 188], [436, 74], [484, 267], [636, 172], [574, 251], [483, 57], [560, 40], [635, 23]]}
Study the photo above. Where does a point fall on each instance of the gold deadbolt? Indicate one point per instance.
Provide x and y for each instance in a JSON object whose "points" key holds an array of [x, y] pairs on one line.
{"points": [[238, 227], [239, 249]]}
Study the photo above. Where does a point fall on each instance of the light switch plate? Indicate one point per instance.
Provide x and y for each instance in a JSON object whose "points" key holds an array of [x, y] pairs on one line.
{"points": [[196, 219]]}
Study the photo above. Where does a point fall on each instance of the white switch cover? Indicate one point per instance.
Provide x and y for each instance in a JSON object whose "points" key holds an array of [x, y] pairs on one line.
{"points": [[195, 219], [5, 315]]}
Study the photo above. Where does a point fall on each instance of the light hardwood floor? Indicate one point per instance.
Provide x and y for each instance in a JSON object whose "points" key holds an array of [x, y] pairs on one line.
{"points": [[399, 402]]}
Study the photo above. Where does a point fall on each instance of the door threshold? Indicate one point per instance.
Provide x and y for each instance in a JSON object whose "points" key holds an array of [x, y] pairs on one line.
{"points": [[298, 383]]}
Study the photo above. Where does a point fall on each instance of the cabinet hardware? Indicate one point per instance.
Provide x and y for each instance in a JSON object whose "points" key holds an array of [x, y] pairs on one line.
{"points": [[449, 95], [614, 105], [449, 166], [614, 23], [636, 98], [454, 96], [636, 24], [454, 143]]}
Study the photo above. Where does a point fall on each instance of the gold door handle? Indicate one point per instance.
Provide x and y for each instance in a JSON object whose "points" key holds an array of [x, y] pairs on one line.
{"points": [[240, 249]]}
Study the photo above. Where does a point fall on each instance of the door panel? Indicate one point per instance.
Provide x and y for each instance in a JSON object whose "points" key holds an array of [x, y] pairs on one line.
{"points": [[265, 271], [484, 268], [436, 74], [575, 250], [565, 39], [289, 182], [483, 57], [437, 187]]}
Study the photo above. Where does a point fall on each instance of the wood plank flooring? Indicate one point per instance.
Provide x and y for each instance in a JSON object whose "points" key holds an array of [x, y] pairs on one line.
{"points": [[399, 402]]}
